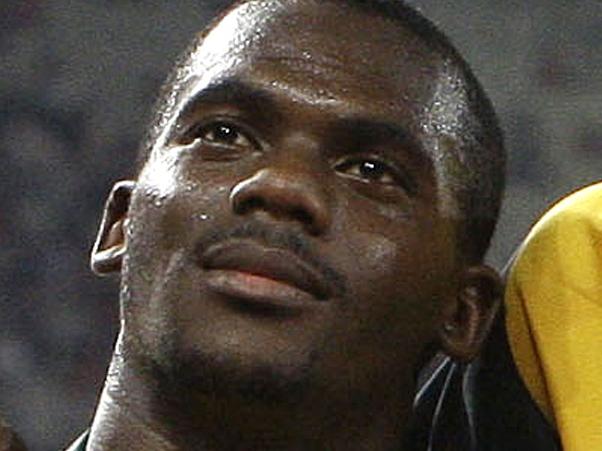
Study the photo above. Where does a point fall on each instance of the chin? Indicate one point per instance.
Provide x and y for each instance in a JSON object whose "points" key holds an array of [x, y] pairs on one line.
{"points": [[196, 341], [226, 372]]}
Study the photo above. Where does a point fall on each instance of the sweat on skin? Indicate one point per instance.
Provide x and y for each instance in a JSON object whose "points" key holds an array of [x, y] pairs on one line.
{"points": [[290, 244]]}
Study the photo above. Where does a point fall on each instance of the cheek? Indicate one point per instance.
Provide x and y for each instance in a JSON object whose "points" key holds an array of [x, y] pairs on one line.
{"points": [[177, 199], [381, 249], [372, 275], [394, 273], [171, 209], [388, 313], [374, 254]]}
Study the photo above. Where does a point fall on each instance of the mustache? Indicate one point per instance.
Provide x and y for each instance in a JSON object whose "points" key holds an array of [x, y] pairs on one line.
{"points": [[277, 237]]}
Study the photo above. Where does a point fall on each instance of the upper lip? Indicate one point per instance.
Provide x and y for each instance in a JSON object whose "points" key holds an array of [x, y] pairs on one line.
{"points": [[273, 263]]}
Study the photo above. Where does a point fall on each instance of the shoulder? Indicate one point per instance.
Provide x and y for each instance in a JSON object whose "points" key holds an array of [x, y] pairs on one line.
{"points": [[581, 210], [566, 241], [554, 315]]}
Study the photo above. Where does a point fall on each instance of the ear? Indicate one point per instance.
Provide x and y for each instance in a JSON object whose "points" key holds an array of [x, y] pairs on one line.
{"points": [[109, 248], [467, 319]]}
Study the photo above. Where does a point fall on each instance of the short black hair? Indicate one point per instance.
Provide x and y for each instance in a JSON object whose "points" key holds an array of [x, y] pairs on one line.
{"points": [[477, 182]]}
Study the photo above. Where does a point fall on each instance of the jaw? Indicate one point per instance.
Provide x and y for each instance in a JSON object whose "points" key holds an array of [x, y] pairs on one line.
{"points": [[240, 414]]}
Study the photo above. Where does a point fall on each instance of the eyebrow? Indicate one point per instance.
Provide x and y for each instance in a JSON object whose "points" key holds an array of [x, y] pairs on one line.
{"points": [[376, 132], [261, 104], [251, 99]]}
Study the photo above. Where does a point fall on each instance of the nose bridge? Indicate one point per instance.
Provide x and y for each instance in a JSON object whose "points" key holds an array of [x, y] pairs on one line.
{"points": [[290, 186]]}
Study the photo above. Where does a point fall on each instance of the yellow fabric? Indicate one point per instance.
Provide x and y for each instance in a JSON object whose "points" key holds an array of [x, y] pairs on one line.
{"points": [[554, 317]]}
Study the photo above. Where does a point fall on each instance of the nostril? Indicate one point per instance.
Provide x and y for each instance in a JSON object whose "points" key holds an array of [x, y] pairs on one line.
{"points": [[301, 215], [284, 196], [250, 204]]}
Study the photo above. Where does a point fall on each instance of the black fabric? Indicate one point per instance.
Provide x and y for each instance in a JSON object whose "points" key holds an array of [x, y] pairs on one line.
{"points": [[482, 406], [497, 388]]}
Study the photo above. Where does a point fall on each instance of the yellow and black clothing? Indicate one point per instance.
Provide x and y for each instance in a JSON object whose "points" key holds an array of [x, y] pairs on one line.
{"points": [[538, 383], [554, 317]]}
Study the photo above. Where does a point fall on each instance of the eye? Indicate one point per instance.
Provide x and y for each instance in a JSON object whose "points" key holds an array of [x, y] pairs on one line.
{"points": [[221, 133], [369, 170], [378, 173]]}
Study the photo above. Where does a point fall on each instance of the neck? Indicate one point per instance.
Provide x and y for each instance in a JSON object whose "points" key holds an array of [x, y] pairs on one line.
{"points": [[133, 414]]}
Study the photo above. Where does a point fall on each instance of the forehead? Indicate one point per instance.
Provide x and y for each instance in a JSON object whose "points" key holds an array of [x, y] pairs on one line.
{"points": [[335, 58], [326, 50]]}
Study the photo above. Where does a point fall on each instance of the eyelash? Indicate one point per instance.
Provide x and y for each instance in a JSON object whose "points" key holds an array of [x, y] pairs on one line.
{"points": [[393, 176], [200, 132]]}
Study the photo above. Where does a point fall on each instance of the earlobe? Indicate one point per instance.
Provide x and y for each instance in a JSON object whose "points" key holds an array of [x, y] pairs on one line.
{"points": [[466, 321], [109, 248]]}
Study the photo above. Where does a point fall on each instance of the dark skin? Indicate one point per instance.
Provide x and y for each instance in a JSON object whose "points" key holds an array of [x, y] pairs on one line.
{"points": [[289, 247]]}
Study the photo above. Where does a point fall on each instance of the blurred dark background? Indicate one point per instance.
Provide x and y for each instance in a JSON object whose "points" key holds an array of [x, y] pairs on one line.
{"points": [[77, 81]]}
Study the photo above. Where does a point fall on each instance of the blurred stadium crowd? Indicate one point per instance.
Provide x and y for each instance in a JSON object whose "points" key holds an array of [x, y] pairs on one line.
{"points": [[77, 83]]}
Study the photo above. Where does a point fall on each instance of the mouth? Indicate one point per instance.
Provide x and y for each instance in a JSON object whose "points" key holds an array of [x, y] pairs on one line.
{"points": [[246, 270]]}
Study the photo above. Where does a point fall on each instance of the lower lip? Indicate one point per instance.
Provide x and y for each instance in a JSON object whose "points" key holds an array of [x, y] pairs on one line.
{"points": [[255, 289]]}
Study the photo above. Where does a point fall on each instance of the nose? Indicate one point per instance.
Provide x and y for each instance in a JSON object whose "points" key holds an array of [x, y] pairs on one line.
{"points": [[285, 195]]}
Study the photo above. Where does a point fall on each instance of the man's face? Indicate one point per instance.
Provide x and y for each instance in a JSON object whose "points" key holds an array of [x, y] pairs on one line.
{"points": [[288, 225]]}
